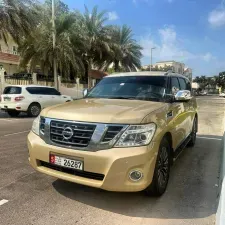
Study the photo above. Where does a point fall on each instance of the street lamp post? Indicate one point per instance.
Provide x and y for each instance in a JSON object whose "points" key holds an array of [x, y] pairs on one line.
{"points": [[54, 44], [151, 58]]}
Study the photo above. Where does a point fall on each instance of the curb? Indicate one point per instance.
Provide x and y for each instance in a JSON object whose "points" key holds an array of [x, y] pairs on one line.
{"points": [[220, 214]]}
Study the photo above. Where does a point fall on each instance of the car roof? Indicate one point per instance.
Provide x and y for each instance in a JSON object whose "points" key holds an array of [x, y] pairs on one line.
{"points": [[28, 86], [146, 73]]}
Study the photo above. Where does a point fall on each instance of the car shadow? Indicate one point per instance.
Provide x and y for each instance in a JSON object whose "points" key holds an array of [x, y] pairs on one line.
{"points": [[6, 116], [192, 191]]}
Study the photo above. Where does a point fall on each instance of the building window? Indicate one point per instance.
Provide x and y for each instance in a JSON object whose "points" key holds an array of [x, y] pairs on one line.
{"points": [[14, 50]]}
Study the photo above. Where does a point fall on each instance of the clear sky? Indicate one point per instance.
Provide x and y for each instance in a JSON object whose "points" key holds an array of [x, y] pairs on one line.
{"points": [[190, 31]]}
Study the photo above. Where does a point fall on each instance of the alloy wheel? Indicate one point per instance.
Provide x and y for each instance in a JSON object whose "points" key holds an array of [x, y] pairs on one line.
{"points": [[163, 167]]}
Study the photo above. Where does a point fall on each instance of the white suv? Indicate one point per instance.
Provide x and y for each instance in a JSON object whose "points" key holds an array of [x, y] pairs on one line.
{"points": [[30, 99]]}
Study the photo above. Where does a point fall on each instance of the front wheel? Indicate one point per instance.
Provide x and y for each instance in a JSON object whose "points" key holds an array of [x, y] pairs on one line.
{"points": [[13, 113], [162, 170]]}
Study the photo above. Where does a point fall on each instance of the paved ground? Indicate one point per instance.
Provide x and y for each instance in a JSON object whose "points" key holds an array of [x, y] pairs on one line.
{"points": [[37, 199]]}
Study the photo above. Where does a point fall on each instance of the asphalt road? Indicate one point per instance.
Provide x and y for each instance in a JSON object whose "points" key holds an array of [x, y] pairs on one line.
{"points": [[28, 197]]}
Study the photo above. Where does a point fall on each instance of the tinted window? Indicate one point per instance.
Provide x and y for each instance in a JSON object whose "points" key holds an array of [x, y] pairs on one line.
{"points": [[52, 91], [175, 85], [42, 91], [12, 90], [134, 87], [183, 85], [188, 85]]}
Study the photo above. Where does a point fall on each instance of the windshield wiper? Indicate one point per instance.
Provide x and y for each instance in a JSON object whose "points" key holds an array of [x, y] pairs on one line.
{"points": [[120, 97]]}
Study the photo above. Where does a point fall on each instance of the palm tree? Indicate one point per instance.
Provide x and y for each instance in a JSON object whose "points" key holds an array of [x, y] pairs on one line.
{"points": [[126, 52], [17, 17], [95, 37], [38, 49]]}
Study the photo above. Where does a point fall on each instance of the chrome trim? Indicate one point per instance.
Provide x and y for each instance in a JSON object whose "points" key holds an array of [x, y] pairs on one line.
{"points": [[132, 171], [95, 143]]}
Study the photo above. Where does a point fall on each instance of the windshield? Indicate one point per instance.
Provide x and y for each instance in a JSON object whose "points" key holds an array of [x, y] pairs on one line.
{"points": [[147, 88]]}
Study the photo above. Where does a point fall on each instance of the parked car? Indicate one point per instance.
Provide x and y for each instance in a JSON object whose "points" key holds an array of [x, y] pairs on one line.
{"points": [[31, 99], [123, 136], [203, 93], [222, 95]]}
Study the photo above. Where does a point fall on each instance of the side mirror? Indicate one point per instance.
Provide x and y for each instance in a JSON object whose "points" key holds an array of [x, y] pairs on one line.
{"points": [[85, 92], [183, 96]]}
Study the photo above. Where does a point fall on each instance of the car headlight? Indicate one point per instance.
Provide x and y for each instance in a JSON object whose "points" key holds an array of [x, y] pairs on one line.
{"points": [[137, 135], [36, 126]]}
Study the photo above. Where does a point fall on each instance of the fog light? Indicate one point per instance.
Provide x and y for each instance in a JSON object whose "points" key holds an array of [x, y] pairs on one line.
{"points": [[136, 175]]}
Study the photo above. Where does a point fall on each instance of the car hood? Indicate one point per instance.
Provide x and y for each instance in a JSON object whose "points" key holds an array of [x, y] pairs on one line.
{"points": [[103, 110]]}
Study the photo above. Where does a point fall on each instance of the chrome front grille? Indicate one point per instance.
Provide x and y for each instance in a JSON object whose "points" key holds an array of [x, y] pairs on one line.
{"points": [[82, 133]]}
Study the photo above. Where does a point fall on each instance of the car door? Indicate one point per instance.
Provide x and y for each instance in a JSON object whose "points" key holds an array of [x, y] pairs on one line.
{"points": [[41, 95], [175, 115], [188, 107]]}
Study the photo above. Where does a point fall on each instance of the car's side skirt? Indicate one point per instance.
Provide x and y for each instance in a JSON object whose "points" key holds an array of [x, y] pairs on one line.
{"points": [[181, 147]]}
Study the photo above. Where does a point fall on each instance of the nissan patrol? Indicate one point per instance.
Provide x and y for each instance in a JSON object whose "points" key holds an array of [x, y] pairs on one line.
{"points": [[122, 136]]}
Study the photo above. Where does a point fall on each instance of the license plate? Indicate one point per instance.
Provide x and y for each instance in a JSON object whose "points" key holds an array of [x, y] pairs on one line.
{"points": [[7, 99], [65, 162]]}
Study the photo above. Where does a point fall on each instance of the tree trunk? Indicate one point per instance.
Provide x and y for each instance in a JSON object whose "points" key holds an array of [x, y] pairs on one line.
{"points": [[86, 75], [116, 66]]}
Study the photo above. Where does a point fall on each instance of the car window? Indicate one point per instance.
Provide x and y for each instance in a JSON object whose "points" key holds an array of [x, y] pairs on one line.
{"points": [[188, 85], [35, 90], [42, 91], [12, 90], [175, 85], [183, 85], [52, 91]]}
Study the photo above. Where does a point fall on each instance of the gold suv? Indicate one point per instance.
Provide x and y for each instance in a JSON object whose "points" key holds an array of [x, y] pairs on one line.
{"points": [[122, 136]]}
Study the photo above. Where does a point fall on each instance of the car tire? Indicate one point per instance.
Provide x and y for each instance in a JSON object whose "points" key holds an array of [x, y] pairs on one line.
{"points": [[34, 110], [162, 170], [191, 143], [13, 113]]}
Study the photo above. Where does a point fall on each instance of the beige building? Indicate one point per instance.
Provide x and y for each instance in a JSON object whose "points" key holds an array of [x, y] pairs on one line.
{"points": [[9, 57], [177, 67], [188, 73]]}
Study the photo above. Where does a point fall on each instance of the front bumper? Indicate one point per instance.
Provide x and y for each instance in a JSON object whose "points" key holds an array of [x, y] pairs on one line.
{"points": [[115, 164], [19, 106]]}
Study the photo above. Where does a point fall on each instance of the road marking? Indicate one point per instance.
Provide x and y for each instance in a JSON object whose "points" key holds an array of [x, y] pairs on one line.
{"points": [[208, 138], [17, 180], [6, 120], [22, 132], [3, 201]]}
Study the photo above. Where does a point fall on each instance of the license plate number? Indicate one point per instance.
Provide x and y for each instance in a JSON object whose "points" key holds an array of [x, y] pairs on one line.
{"points": [[7, 99], [65, 162]]}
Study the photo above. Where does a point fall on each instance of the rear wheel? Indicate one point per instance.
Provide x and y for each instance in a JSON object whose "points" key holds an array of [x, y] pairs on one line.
{"points": [[13, 113], [34, 110], [162, 170]]}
